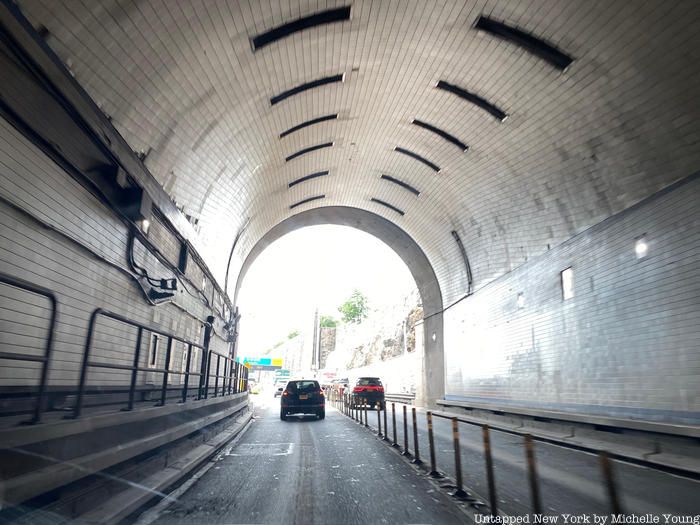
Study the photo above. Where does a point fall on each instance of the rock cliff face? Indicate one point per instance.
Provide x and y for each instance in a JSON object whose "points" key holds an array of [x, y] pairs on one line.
{"points": [[386, 335]]}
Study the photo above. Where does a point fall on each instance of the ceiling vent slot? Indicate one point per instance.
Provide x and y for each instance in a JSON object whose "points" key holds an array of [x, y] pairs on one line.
{"points": [[386, 204], [330, 16], [402, 184], [525, 40], [308, 177], [308, 150], [317, 197], [425, 161], [474, 99], [303, 87], [449, 138], [308, 123]]}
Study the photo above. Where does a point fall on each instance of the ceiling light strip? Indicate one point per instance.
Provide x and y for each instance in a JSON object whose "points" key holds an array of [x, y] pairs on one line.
{"points": [[386, 204], [525, 40], [308, 150], [330, 16], [402, 184], [308, 177], [413, 155], [317, 197], [304, 87], [308, 123], [450, 138], [474, 99]]}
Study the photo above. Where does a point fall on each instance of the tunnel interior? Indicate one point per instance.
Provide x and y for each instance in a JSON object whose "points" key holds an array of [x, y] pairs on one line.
{"points": [[534, 164]]}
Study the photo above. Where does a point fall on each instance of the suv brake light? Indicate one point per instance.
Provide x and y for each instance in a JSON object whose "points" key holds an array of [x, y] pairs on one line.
{"points": [[357, 389], [285, 393]]}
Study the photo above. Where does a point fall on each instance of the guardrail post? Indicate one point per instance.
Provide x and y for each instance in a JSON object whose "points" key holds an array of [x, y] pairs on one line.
{"points": [[230, 375], [532, 474], [416, 456], [606, 467], [459, 492], [493, 500], [379, 419], [386, 427], [187, 373], [393, 423], [405, 433], [366, 412], [134, 371], [216, 375], [84, 366], [431, 443], [207, 378], [164, 387], [206, 359]]}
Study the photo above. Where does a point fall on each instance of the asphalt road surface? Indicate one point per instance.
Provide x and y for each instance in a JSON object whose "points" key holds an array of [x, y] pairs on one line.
{"points": [[306, 471], [570, 481]]}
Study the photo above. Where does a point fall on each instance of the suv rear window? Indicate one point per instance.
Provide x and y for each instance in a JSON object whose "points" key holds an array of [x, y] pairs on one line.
{"points": [[369, 381], [303, 386]]}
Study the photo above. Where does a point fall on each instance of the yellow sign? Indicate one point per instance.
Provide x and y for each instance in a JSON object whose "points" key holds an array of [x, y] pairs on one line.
{"points": [[277, 362]]}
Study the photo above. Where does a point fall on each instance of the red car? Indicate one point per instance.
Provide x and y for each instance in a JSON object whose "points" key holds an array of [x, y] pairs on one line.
{"points": [[368, 391]]}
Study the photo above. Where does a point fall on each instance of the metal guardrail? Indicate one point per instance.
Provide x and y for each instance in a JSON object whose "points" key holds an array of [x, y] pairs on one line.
{"points": [[400, 397], [233, 376], [342, 402], [48, 347], [205, 366]]}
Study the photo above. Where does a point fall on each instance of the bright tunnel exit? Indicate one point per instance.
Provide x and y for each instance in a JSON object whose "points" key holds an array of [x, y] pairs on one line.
{"points": [[340, 292]]}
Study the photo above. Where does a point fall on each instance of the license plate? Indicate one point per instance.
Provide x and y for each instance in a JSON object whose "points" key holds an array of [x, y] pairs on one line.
{"points": [[303, 396]]}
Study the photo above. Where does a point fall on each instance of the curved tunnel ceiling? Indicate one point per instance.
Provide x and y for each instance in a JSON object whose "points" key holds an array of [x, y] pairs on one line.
{"points": [[568, 111]]}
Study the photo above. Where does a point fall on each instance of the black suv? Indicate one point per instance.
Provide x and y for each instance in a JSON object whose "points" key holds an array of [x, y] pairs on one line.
{"points": [[369, 391], [303, 396]]}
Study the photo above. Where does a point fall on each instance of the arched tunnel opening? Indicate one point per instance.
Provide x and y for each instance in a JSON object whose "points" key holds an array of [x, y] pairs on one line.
{"points": [[533, 165], [430, 366]]}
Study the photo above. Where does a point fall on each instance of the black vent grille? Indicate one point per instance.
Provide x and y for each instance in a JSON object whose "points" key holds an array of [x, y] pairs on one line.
{"points": [[474, 99], [308, 150], [401, 183], [278, 33], [450, 138], [413, 155], [525, 40], [304, 87], [308, 123], [308, 177], [310, 199], [387, 205]]}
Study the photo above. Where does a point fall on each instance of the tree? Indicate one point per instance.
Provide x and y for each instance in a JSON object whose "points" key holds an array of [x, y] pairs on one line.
{"points": [[354, 310], [328, 321]]}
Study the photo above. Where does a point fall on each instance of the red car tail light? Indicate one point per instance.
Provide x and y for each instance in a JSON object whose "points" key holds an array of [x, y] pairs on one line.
{"points": [[357, 389], [285, 393], [322, 393]]}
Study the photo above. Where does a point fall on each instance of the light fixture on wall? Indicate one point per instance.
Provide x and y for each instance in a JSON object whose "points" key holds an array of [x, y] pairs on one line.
{"points": [[521, 300], [434, 337], [144, 224], [641, 247], [567, 283]]}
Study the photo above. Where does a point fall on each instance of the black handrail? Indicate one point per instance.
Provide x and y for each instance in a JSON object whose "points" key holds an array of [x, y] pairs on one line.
{"points": [[203, 374], [45, 292]]}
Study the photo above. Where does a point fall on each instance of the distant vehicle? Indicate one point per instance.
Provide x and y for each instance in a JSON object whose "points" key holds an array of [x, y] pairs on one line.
{"points": [[278, 391], [369, 391], [303, 396]]}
